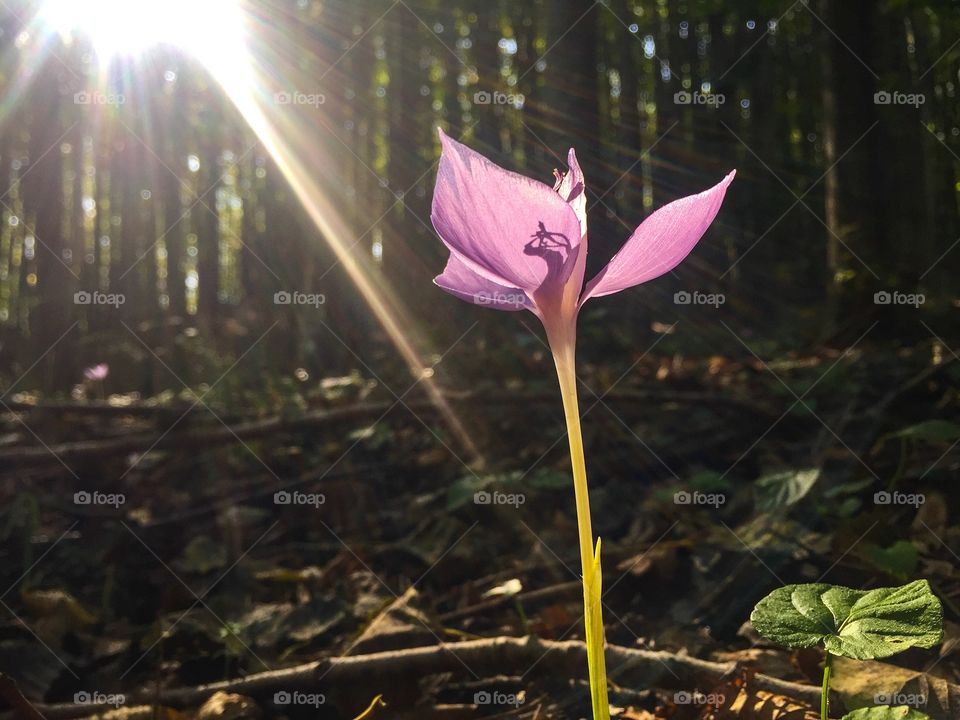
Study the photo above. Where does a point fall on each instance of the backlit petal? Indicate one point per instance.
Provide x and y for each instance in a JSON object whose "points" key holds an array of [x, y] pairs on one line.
{"points": [[572, 188], [459, 280], [506, 228], [660, 243]]}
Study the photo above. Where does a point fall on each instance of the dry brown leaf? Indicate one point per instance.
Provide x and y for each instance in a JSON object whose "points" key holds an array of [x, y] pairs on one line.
{"points": [[951, 638], [59, 603], [56, 614], [775, 663], [141, 712], [745, 704], [551, 620], [661, 558], [931, 517], [859, 683], [228, 706], [632, 713], [400, 624]]}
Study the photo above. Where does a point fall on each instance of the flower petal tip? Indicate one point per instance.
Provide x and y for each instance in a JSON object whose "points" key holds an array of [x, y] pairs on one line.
{"points": [[661, 241]]}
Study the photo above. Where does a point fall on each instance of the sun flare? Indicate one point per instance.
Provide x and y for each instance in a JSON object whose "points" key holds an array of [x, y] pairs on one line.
{"points": [[205, 29], [234, 46]]}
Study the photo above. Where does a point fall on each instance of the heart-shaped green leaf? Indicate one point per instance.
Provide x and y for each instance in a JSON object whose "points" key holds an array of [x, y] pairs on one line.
{"points": [[858, 624], [899, 560], [882, 712]]}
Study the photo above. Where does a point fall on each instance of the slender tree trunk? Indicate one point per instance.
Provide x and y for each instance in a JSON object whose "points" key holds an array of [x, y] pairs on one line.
{"points": [[831, 181], [43, 191]]}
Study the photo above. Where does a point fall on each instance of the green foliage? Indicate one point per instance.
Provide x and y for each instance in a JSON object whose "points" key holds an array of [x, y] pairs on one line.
{"points": [[705, 481], [858, 624], [462, 492], [784, 489], [843, 500], [932, 431], [882, 712], [899, 560]]}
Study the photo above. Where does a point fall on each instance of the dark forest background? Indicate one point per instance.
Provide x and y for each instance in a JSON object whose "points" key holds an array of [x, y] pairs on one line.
{"points": [[171, 200], [826, 377]]}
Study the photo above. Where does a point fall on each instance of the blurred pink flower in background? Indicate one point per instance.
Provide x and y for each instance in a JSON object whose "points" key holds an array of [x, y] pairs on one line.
{"points": [[97, 372]]}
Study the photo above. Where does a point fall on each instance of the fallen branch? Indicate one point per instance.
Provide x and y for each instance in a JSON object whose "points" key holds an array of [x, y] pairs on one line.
{"points": [[485, 658], [190, 438], [100, 407], [187, 435]]}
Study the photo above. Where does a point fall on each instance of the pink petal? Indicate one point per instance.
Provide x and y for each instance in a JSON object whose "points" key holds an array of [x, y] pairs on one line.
{"points": [[510, 230], [459, 280], [572, 188], [661, 242]]}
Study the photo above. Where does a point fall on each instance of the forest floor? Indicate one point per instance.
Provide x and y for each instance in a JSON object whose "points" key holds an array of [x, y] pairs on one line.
{"points": [[340, 545]]}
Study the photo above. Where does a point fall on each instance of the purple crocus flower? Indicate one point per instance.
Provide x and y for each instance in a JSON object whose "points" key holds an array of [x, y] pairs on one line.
{"points": [[97, 372], [518, 244]]}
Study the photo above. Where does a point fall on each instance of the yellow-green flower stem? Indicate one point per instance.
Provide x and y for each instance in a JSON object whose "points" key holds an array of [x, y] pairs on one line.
{"points": [[825, 688], [563, 355]]}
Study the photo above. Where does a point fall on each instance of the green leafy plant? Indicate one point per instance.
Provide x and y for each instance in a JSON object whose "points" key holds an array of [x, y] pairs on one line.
{"points": [[882, 712], [857, 624], [932, 432], [783, 489]]}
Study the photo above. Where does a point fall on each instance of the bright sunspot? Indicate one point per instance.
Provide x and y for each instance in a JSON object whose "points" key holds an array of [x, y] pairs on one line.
{"points": [[206, 29]]}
